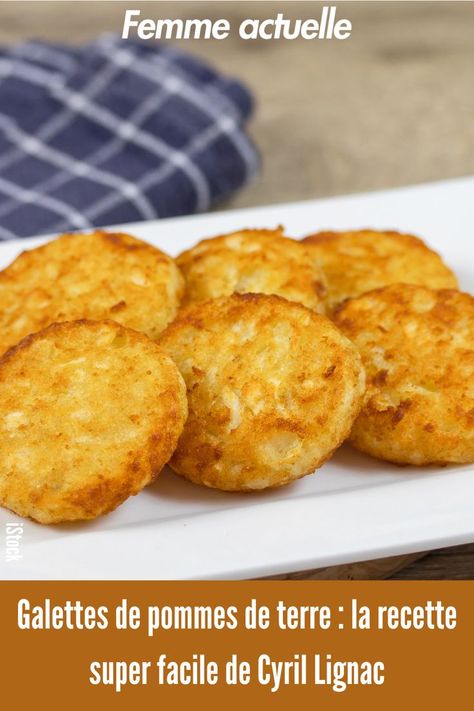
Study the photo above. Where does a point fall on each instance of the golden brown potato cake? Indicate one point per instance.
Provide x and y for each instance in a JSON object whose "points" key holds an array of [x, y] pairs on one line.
{"points": [[257, 261], [94, 276], [359, 261], [273, 390], [89, 413], [417, 345]]}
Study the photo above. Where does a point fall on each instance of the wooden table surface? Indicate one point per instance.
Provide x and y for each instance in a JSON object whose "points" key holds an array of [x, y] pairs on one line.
{"points": [[394, 105]]}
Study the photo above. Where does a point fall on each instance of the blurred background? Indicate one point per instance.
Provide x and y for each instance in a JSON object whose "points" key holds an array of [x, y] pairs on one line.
{"points": [[393, 105]]}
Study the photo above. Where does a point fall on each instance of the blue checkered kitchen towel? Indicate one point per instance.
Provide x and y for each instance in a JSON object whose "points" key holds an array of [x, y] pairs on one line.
{"points": [[115, 131]]}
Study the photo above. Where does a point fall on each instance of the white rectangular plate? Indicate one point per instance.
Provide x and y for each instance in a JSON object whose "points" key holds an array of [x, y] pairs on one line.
{"points": [[355, 508]]}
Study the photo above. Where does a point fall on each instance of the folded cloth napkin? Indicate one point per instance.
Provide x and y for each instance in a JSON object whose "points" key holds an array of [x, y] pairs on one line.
{"points": [[115, 131]]}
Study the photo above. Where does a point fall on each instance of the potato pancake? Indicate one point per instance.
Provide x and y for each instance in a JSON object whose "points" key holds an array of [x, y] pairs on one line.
{"points": [[417, 346], [89, 414], [94, 276], [273, 390], [253, 261], [359, 261]]}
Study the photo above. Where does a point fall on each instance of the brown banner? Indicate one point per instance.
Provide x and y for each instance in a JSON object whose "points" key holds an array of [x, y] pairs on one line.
{"points": [[256, 643]]}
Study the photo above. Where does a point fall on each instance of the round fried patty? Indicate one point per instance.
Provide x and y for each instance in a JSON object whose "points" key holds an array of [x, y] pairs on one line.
{"points": [[257, 261], [417, 346], [273, 389], [359, 261], [89, 413], [94, 276]]}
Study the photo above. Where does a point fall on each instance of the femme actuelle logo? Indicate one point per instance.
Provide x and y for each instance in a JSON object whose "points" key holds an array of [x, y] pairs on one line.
{"points": [[327, 27]]}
